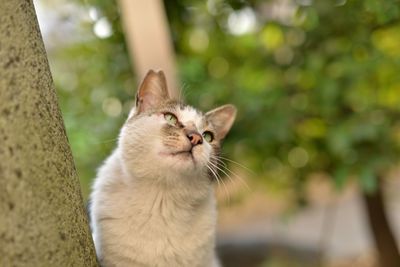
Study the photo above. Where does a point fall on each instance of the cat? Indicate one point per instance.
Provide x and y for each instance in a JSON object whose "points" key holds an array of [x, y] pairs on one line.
{"points": [[153, 202]]}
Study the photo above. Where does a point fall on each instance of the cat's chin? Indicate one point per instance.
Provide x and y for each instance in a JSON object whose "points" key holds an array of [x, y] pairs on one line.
{"points": [[179, 155], [181, 159]]}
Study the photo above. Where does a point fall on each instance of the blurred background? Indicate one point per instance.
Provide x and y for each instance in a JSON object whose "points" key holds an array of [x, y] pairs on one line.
{"points": [[313, 156]]}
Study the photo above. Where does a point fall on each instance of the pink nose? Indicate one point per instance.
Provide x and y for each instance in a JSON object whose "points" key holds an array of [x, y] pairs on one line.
{"points": [[195, 138]]}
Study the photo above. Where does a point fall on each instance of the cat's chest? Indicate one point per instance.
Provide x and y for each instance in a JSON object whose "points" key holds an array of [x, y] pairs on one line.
{"points": [[160, 232], [162, 219]]}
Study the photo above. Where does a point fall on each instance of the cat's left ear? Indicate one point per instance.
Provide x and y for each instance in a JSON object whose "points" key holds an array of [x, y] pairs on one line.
{"points": [[222, 119], [152, 92]]}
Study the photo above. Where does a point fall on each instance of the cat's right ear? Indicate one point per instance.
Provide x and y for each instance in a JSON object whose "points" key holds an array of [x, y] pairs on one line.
{"points": [[152, 92]]}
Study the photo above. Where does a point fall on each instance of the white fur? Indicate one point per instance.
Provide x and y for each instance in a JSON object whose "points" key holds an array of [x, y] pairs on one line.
{"points": [[150, 208]]}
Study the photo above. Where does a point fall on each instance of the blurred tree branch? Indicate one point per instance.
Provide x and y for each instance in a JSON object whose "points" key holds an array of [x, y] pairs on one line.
{"points": [[383, 235]]}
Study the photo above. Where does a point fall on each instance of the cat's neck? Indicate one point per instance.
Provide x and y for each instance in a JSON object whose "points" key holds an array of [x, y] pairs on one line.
{"points": [[168, 189]]}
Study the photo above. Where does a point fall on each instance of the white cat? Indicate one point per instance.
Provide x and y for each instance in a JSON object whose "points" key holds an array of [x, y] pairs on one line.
{"points": [[153, 201]]}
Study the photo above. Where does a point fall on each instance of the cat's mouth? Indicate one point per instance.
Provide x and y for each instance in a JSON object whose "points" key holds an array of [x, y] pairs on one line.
{"points": [[177, 153], [184, 153]]}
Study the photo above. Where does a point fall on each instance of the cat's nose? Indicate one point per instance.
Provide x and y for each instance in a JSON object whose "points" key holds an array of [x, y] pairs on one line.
{"points": [[195, 138]]}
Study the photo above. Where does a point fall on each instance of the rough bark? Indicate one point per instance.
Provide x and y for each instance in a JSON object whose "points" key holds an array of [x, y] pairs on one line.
{"points": [[384, 239], [149, 40], [43, 220]]}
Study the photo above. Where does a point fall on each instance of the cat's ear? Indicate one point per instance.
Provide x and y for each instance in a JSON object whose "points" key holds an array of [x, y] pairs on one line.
{"points": [[222, 119], [152, 92]]}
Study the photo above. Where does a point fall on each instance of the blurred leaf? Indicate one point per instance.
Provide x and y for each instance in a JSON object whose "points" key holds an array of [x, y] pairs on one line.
{"points": [[387, 40], [340, 176], [272, 37], [368, 180]]}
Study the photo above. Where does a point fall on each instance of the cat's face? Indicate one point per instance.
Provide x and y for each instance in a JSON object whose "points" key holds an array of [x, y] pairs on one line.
{"points": [[163, 137]]}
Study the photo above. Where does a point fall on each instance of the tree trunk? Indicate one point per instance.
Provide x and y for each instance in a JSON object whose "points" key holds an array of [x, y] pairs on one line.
{"points": [[43, 219], [384, 239], [149, 40]]}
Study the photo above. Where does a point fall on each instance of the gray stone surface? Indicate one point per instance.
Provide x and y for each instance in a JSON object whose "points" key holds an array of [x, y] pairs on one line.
{"points": [[42, 217]]}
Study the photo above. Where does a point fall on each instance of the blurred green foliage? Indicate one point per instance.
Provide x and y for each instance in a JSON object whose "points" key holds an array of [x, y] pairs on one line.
{"points": [[316, 83]]}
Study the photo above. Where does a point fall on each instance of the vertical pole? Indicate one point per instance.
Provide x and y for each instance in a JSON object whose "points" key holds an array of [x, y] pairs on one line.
{"points": [[149, 40]]}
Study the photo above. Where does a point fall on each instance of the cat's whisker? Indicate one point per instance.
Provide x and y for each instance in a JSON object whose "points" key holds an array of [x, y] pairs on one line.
{"points": [[217, 177], [222, 159], [226, 190], [241, 180], [212, 171], [230, 177], [223, 164], [214, 174], [182, 92], [238, 164], [220, 169], [219, 180]]}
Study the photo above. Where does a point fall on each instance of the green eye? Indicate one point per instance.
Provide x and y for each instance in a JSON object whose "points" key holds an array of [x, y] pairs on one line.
{"points": [[171, 119], [208, 136]]}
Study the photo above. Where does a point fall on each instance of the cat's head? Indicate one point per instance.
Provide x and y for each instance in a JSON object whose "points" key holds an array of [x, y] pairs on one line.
{"points": [[164, 137]]}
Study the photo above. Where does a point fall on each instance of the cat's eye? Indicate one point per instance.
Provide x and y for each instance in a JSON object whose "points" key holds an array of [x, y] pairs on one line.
{"points": [[171, 119], [208, 136]]}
